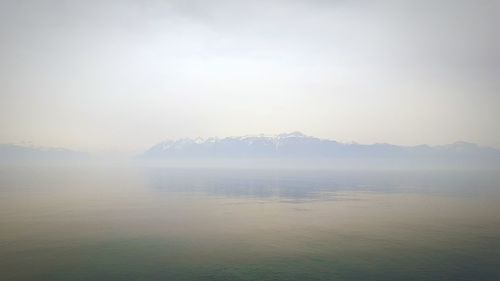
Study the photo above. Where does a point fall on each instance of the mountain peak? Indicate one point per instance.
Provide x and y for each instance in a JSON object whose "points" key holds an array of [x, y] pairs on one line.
{"points": [[295, 134], [301, 147], [464, 143]]}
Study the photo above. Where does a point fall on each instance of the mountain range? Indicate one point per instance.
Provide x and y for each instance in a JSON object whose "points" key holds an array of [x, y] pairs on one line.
{"points": [[283, 150], [296, 147], [27, 154]]}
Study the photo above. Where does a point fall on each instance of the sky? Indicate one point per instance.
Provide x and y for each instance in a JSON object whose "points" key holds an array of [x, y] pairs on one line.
{"points": [[123, 75]]}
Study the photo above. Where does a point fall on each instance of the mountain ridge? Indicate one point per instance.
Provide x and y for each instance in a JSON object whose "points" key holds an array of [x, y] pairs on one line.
{"points": [[298, 146], [27, 153]]}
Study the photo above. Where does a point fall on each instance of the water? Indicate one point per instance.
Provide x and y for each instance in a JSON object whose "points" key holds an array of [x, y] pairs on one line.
{"points": [[132, 223]]}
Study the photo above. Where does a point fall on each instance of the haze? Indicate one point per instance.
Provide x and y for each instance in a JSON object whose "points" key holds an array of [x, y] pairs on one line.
{"points": [[123, 75]]}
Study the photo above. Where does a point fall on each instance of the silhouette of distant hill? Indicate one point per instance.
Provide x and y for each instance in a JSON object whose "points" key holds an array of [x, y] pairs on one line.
{"points": [[21, 154], [299, 148]]}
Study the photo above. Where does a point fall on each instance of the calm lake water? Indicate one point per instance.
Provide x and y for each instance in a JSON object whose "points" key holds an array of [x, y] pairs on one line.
{"points": [[132, 223]]}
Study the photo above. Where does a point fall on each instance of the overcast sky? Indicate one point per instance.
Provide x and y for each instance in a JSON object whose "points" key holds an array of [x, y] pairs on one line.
{"points": [[123, 75]]}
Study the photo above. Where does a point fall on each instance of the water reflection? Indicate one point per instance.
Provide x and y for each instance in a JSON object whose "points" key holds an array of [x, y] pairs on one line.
{"points": [[132, 223], [297, 184]]}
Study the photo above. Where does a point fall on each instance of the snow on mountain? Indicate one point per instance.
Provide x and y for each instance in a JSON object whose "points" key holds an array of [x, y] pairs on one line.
{"points": [[296, 145], [250, 145]]}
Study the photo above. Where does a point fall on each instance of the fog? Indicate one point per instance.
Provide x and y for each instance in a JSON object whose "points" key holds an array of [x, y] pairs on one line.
{"points": [[116, 77]]}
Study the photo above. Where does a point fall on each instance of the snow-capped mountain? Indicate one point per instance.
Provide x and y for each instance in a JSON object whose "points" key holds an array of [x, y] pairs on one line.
{"points": [[297, 146], [244, 146]]}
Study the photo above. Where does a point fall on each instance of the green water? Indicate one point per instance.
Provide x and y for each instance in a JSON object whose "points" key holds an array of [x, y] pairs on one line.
{"points": [[167, 224]]}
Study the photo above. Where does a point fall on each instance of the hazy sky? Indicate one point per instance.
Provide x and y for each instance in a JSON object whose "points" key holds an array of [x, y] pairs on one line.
{"points": [[122, 75]]}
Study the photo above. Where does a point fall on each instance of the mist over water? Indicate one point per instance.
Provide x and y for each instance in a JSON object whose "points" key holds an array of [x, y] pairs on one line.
{"points": [[157, 223], [179, 140]]}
